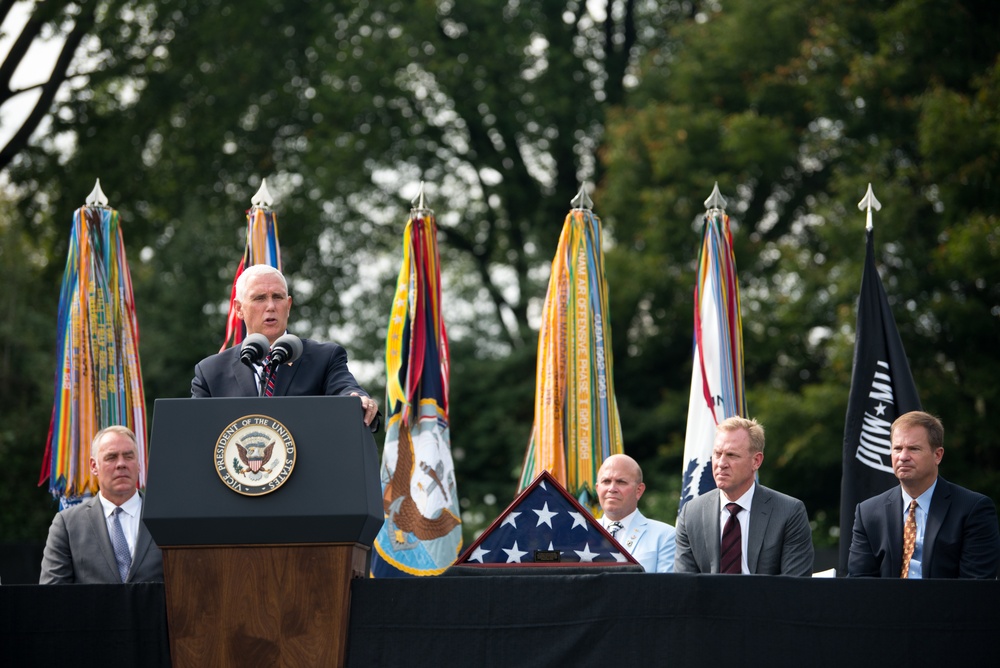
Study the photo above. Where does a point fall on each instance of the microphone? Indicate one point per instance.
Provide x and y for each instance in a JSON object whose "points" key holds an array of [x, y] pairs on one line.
{"points": [[255, 346], [287, 348]]}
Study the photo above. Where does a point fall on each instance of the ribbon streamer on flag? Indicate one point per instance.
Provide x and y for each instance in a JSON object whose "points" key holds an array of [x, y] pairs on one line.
{"points": [[717, 385], [576, 415], [99, 380], [882, 389], [261, 248], [422, 533]]}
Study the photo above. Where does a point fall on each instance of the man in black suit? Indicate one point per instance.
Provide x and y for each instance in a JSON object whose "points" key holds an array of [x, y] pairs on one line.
{"points": [[263, 304], [101, 540], [954, 532]]}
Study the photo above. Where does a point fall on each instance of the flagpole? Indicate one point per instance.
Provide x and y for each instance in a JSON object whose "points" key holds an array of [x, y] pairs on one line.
{"points": [[422, 532], [717, 382], [882, 389]]}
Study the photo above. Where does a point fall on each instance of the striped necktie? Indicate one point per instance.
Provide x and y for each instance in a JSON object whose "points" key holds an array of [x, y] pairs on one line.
{"points": [[269, 375], [731, 548]]}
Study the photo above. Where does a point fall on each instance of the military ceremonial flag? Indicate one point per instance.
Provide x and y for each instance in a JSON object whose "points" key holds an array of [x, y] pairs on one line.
{"points": [[422, 534], [98, 376], [576, 415], [262, 247], [882, 389], [717, 387], [545, 526]]}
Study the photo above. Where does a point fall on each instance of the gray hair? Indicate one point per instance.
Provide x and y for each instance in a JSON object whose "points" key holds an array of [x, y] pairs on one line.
{"points": [[256, 270]]}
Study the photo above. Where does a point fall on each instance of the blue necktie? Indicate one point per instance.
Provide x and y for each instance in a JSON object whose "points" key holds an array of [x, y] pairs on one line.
{"points": [[122, 554]]}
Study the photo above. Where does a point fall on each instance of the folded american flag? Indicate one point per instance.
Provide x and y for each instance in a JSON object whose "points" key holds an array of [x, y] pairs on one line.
{"points": [[546, 526]]}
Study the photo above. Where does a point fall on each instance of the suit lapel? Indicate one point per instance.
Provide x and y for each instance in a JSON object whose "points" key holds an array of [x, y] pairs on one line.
{"points": [[636, 531], [142, 542], [244, 377], [283, 378], [99, 527], [710, 518], [760, 516], [894, 528], [940, 503]]}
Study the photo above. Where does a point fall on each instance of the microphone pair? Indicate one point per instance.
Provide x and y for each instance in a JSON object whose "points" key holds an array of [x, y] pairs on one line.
{"points": [[286, 349]]}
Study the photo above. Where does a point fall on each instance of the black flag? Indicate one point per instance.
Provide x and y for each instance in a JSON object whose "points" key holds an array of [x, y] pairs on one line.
{"points": [[882, 389]]}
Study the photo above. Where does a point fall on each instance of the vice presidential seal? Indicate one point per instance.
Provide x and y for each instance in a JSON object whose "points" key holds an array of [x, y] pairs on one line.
{"points": [[255, 455]]}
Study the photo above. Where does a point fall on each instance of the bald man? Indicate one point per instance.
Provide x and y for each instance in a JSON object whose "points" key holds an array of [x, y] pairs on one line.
{"points": [[619, 488]]}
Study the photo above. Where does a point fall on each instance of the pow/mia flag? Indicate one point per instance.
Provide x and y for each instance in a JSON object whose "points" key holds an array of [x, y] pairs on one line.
{"points": [[882, 389]]}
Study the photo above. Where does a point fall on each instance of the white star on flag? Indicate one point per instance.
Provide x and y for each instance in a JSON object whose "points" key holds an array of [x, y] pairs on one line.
{"points": [[544, 515], [578, 520], [513, 554], [586, 554], [511, 520], [479, 554]]}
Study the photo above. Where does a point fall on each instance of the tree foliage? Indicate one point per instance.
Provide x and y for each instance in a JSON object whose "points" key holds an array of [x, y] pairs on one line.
{"points": [[181, 107]]}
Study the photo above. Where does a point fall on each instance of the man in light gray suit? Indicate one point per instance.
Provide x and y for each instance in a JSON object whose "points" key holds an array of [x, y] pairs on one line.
{"points": [[102, 540], [742, 526], [619, 487]]}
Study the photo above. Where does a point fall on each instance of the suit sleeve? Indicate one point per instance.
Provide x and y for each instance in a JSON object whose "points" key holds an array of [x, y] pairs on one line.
{"points": [[667, 551], [981, 544], [683, 558], [57, 559], [199, 386], [861, 562], [339, 379], [797, 553]]}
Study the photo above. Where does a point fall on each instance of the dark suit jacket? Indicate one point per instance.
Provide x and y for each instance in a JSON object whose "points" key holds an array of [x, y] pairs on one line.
{"points": [[322, 370], [780, 540], [78, 550], [961, 540]]}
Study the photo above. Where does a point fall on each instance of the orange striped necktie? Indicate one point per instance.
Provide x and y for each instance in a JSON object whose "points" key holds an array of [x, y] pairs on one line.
{"points": [[909, 538]]}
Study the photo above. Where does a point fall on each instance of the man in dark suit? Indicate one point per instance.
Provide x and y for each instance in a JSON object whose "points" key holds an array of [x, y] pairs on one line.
{"points": [[953, 532], [101, 540], [742, 526], [263, 304]]}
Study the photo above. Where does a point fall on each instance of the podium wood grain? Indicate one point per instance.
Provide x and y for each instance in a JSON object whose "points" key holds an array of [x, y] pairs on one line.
{"points": [[260, 605]]}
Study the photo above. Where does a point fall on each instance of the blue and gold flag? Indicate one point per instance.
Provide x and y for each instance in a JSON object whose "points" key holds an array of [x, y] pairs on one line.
{"points": [[422, 533]]}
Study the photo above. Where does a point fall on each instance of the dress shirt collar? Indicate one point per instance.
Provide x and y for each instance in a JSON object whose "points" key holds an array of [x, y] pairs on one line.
{"points": [[744, 501], [625, 521]]}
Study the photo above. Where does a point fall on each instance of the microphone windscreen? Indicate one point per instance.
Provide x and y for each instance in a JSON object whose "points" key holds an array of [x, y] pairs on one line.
{"points": [[286, 349], [255, 346]]}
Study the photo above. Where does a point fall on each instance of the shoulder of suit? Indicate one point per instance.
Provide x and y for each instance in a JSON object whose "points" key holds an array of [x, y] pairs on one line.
{"points": [[774, 495], [958, 492]]}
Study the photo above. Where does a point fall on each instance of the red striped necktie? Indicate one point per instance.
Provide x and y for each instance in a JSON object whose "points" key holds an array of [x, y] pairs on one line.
{"points": [[269, 375], [731, 548]]}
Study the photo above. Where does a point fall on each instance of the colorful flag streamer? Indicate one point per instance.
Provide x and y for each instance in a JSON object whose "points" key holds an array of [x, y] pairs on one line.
{"points": [[882, 389], [422, 534], [576, 415], [717, 385], [262, 247], [98, 379]]}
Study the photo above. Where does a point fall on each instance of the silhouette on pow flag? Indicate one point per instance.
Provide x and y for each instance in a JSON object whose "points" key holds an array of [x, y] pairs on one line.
{"points": [[545, 518]]}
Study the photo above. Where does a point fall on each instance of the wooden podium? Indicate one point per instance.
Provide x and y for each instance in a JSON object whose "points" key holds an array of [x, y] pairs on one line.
{"points": [[259, 573]]}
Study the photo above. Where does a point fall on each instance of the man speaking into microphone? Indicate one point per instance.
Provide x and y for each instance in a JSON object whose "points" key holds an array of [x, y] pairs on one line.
{"points": [[276, 363]]}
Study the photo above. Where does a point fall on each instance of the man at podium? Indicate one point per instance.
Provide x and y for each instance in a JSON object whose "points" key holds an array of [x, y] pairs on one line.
{"points": [[312, 368]]}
